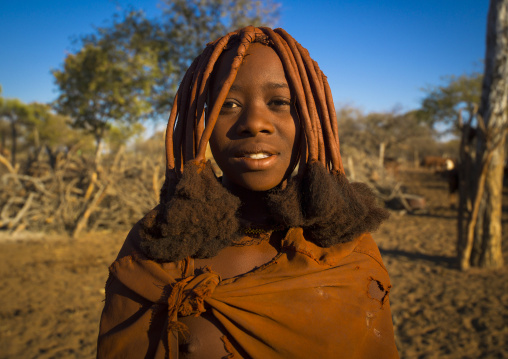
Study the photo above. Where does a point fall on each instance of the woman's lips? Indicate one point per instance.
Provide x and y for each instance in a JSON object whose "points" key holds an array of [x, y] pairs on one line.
{"points": [[257, 161], [257, 156]]}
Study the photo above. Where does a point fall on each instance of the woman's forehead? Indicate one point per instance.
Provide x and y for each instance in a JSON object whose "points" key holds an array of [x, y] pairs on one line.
{"points": [[259, 60]]}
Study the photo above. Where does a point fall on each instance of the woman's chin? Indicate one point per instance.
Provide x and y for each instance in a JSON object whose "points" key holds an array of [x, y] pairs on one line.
{"points": [[251, 183]]}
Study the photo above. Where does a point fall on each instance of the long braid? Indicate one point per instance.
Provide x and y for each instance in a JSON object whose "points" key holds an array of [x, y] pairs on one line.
{"points": [[192, 119], [333, 120], [178, 137], [217, 49], [170, 157]]}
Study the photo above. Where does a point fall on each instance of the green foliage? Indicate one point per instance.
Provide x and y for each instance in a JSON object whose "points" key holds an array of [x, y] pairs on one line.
{"points": [[26, 128], [442, 103], [13, 110], [53, 130], [15, 116], [101, 84]]}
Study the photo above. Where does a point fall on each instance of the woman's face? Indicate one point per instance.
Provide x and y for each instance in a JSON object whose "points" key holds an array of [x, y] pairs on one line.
{"points": [[254, 140]]}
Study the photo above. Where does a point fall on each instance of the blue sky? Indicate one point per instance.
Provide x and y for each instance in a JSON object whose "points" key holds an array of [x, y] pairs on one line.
{"points": [[377, 54]]}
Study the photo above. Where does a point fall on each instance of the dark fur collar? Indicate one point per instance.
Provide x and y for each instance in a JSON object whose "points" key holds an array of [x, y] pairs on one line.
{"points": [[198, 217]]}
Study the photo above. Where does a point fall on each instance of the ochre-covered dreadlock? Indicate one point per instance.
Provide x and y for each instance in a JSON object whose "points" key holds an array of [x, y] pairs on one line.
{"points": [[197, 216]]}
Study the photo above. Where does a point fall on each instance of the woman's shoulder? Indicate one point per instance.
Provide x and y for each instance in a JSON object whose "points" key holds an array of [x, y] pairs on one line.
{"points": [[132, 244], [133, 259], [363, 244]]}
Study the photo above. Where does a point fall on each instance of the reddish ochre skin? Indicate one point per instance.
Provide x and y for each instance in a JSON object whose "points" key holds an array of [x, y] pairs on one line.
{"points": [[257, 116]]}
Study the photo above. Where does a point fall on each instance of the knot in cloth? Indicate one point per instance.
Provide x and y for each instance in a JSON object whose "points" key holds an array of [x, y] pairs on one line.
{"points": [[188, 297]]}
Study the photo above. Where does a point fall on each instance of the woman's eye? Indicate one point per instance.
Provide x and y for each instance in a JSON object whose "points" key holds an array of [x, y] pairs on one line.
{"points": [[229, 105], [281, 102]]}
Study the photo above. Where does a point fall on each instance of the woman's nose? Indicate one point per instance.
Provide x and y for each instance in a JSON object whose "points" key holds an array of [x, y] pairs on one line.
{"points": [[255, 119]]}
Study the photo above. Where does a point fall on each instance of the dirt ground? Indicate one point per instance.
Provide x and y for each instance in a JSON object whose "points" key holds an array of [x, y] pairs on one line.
{"points": [[52, 288]]}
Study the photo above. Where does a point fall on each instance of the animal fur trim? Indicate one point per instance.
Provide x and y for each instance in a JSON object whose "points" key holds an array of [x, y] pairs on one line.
{"points": [[199, 219], [197, 216], [328, 208]]}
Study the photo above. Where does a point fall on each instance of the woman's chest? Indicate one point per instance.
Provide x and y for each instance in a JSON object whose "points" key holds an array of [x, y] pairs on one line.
{"points": [[203, 339], [237, 260]]}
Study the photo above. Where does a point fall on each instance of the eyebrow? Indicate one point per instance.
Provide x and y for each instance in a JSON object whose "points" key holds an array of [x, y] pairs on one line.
{"points": [[274, 85], [270, 85]]}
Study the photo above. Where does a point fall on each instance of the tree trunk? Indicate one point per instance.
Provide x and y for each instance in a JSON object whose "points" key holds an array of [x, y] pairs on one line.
{"points": [[467, 186], [486, 251], [481, 244]]}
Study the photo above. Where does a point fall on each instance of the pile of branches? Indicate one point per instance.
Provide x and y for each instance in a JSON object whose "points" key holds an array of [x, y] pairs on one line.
{"points": [[362, 167], [69, 192], [382, 179]]}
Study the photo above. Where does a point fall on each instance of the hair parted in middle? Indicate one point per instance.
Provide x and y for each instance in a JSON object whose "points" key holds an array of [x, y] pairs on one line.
{"points": [[197, 216]]}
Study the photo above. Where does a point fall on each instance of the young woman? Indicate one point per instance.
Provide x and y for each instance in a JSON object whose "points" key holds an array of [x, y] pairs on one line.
{"points": [[273, 259]]}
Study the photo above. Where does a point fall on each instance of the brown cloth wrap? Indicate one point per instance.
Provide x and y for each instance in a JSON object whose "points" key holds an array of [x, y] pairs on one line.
{"points": [[308, 302]]}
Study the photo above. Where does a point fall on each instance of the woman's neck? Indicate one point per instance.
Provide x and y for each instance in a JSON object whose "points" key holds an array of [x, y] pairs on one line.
{"points": [[254, 207]]}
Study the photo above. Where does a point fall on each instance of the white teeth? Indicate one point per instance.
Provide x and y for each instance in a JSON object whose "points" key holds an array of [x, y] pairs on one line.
{"points": [[257, 156]]}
